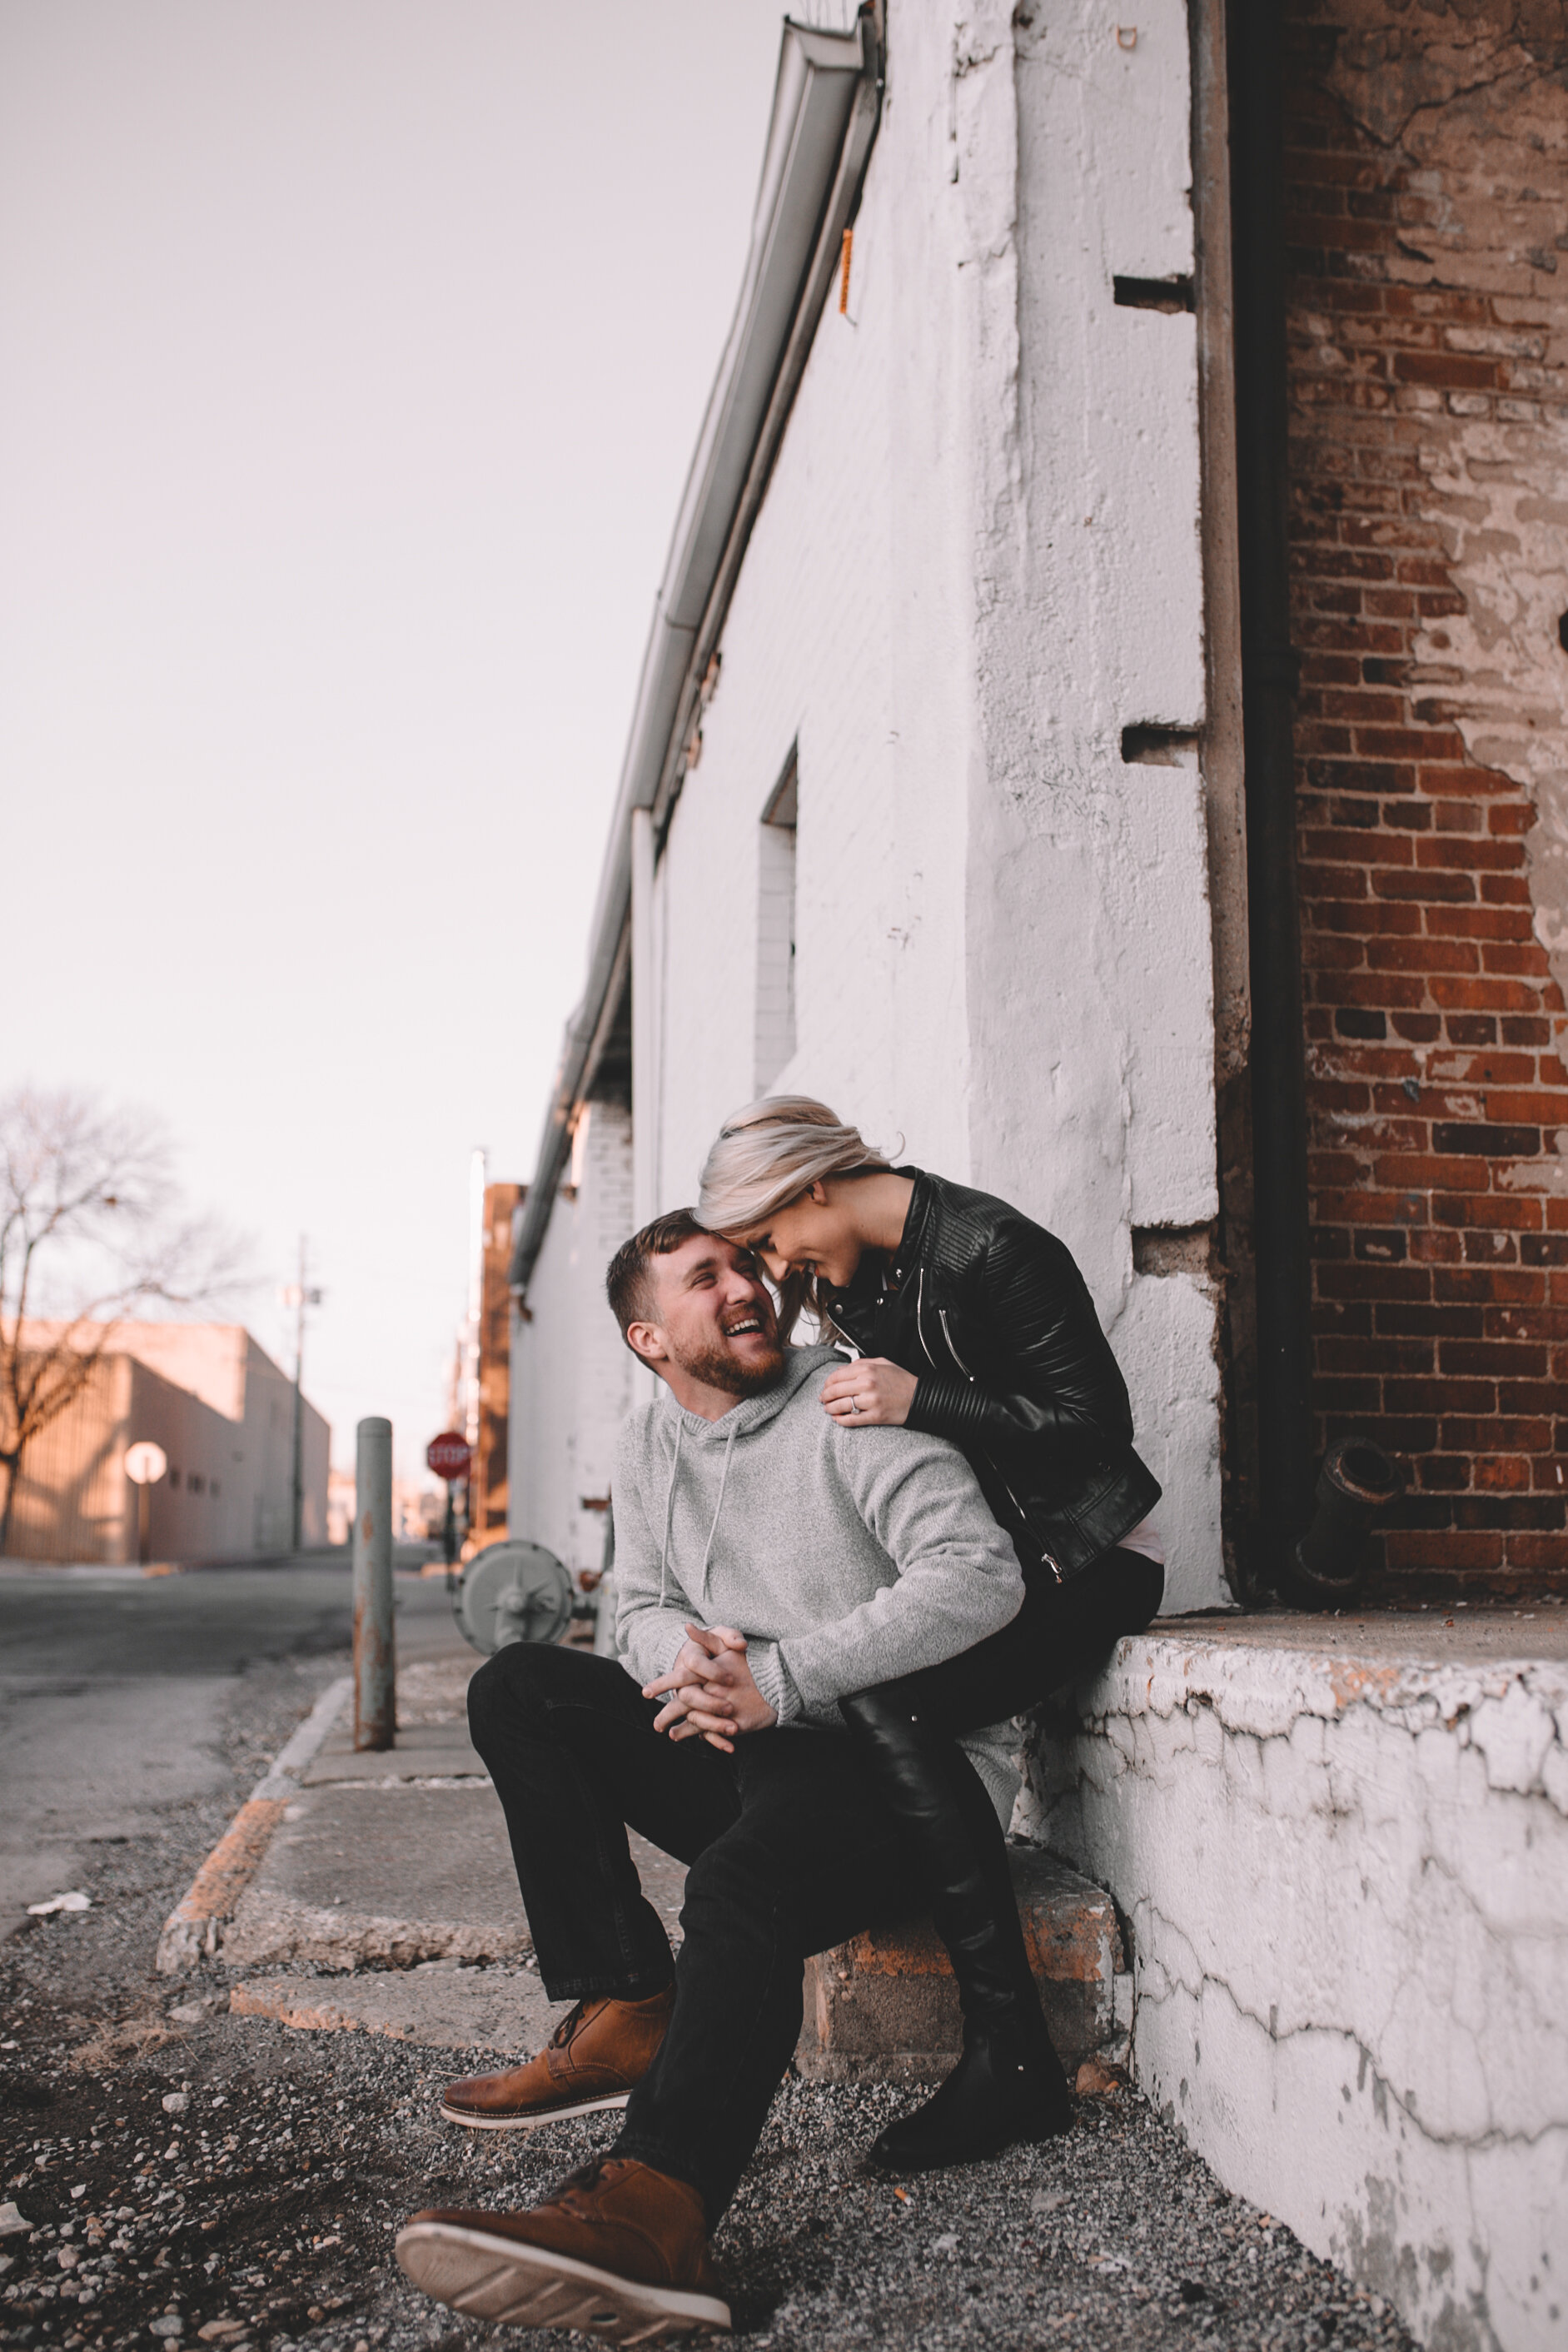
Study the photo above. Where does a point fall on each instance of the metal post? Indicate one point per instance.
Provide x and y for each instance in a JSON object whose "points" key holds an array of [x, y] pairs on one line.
{"points": [[143, 1523], [375, 1660]]}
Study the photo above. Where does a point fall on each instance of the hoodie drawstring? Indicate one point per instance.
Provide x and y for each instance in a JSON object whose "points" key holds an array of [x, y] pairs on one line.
{"points": [[701, 1593], [670, 1511], [708, 1548]]}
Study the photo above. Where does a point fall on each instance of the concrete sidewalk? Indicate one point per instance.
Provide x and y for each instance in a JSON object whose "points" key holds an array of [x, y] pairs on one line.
{"points": [[380, 1896]]}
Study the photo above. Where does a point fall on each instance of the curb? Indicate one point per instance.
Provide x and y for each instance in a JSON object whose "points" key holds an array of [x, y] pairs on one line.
{"points": [[191, 1928]]}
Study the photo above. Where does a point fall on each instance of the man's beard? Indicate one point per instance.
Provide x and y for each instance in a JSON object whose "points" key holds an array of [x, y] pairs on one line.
{"points": [[720, 1370]]}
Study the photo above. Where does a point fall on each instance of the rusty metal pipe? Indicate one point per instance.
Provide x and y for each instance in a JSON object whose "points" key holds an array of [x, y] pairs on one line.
{"points": [[375, 1656]]}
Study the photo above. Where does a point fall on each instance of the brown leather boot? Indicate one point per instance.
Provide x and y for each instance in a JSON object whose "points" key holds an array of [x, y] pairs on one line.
{"points": [[618, 2249], [595, 2059]]}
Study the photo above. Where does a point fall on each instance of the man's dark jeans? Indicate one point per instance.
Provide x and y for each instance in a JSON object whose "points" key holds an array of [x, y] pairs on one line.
{"points": [[788, 1850], [788, 1846]]}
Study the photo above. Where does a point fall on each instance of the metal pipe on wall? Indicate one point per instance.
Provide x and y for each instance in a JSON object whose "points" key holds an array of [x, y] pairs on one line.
{"points": [[644, 1025], [1285, 1452], [375, 1656]]}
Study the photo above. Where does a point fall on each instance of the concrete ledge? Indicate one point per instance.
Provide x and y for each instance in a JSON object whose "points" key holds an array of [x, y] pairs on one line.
{"points": [[441, 2004], [343, 1853], [1342, 1850], [885, 2005]]}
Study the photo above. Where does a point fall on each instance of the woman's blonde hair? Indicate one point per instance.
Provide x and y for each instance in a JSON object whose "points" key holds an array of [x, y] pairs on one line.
{"points": [[764, 1157]]}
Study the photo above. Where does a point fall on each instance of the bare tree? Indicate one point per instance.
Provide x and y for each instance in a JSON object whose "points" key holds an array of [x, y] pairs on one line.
{"points": [[91, 1228]]}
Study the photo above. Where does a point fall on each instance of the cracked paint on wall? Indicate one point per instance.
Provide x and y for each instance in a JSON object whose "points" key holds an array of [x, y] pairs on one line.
{"points": [[1346, 1881]]}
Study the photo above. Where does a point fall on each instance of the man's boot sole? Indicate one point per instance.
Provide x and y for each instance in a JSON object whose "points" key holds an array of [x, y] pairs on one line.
{"points": [[531, 2118], [496, 2278]]}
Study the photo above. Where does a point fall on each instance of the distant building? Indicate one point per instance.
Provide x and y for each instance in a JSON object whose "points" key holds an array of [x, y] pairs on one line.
{"points": [[339, 1506], [489, 1484], [222, 1412], [417, 1509]]}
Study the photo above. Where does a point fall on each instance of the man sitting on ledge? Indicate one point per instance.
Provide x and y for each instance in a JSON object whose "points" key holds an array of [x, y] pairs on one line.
{"points": [[769, 1559]]}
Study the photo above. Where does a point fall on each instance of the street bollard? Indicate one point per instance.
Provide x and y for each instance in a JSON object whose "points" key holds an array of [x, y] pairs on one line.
{"points": [[375, 1656]]}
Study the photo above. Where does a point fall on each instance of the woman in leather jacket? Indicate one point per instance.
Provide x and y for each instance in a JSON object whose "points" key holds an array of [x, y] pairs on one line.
{"points": [[974, 1324]]}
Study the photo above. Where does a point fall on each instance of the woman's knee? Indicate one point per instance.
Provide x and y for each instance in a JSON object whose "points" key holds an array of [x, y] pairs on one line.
{"points": [[1141, 1586]]}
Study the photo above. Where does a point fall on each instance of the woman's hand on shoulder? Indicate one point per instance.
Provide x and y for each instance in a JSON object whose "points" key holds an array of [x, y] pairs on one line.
{"points": [[868, 1393]]}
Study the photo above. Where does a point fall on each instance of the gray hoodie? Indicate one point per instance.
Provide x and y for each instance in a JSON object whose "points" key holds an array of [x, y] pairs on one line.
{"points": [[846, 1556]]}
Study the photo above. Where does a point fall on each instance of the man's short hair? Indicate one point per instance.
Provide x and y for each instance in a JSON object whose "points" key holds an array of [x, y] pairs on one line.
{"points": [[626, 1284]]}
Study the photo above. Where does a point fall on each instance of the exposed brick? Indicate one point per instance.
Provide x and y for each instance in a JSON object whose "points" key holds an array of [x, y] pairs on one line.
{"points": [[1488, 1141], [1498, 1210], [1446, 1471], [1373, 1208], [1502, 1358], [1538, 1552], [1350, 1280], [1436, 1396], [1508, 1473], [1487, 1285], [1409, 1549], [1440, 1270], [1398, 1320], [1497, 1432], [1424, 885], [1473, 922], [1488, 1248], [1436, 1247]]}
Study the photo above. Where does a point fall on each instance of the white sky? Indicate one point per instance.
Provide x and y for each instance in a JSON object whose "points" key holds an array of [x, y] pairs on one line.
{"points": [[351, 356]]}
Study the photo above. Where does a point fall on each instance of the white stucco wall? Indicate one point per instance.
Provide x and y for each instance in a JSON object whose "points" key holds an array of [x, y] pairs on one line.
{"points": [[977, 561], [571, 1377], [1345, 1881], [1090, 954]]}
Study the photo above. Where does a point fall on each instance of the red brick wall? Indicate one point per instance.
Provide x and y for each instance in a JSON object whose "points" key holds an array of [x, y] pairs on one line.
{"points": [[1426, 328], [489, 1491]]}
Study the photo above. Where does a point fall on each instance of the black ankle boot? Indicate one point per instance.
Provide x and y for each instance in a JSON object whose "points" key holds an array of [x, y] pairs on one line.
{"points": [[995, 2095], [1009, 2084]]}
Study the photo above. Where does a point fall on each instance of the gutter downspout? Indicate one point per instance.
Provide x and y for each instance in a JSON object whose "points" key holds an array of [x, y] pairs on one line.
{"points": [[678, 647], [1268, 675], [644, 1026]]}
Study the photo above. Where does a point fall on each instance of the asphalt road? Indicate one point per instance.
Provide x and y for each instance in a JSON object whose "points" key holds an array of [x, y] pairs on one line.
{"points": [[115, 1691]]}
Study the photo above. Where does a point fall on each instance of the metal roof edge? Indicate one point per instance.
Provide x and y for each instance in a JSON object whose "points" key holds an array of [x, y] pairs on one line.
{"points": [[802, 171]]}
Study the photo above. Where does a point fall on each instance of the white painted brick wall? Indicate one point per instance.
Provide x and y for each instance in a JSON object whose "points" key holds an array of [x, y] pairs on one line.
{"points": [[571, 1377], [977, 563], [1344, 1876]]}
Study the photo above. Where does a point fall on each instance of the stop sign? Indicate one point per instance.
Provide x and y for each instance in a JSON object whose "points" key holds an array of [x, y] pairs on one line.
{"points": [[448, 1455]]}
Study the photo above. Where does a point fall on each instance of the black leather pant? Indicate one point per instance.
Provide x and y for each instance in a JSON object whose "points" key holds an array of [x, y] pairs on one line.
{"points": [[1062, 1630], [905, 1732]]}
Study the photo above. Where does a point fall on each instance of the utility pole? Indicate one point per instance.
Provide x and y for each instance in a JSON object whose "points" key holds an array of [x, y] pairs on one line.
{"points": [[477, 1165], [299, 1297]]}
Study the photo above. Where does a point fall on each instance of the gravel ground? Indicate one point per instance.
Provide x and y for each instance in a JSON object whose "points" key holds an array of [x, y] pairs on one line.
{"points": [[192, 2176]]}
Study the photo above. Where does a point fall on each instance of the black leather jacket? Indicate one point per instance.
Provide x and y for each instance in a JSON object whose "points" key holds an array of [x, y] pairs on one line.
{"points": [[991, 1313]]}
